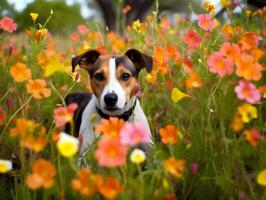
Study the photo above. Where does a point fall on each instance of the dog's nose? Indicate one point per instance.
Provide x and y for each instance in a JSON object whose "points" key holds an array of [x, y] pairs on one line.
{"points": [[110, 99]]}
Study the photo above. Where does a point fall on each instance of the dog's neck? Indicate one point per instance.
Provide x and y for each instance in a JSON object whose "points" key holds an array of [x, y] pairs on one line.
{"points": [[125, 115]]}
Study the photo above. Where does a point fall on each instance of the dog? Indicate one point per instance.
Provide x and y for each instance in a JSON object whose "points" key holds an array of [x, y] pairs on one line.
{"points": [[113, 79]]}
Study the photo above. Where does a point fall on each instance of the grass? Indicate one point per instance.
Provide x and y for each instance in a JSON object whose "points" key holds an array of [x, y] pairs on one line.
{"points": [[225, 163]]}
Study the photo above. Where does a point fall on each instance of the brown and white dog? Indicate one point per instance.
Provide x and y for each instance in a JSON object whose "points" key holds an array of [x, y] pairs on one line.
{"points": [[113, 80]]}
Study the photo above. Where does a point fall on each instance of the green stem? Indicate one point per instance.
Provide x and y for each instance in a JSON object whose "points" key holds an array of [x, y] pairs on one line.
{"points": [[12, 117]]}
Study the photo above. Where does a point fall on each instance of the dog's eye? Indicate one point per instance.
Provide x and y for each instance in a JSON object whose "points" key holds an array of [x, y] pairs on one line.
{"points": [[125, 76], [99, 77]]}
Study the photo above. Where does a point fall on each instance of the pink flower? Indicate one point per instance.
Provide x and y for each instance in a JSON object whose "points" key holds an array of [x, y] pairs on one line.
{"points": [[63, 115], [7, 24], [134, 134], [247, 91], [74, 36], [110, 152], [194, 168], [82, 29], [219, 65], [205, 22], [192, 39]]}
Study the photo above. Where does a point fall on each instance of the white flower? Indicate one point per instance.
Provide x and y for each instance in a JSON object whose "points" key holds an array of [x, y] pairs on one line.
{"points": [[5, 166], [137, 156], [67, 145]]}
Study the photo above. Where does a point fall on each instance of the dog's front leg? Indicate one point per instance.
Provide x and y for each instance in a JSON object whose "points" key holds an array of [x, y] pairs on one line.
{"points": [[86, 132]]}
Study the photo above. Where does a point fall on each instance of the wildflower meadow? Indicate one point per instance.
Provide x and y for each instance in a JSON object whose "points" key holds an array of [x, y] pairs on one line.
{"points": [[204, 100]]}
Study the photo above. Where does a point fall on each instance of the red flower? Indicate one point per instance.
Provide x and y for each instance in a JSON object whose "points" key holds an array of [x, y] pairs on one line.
{"points": [[7, 24], [192, 39], [63, 115]]}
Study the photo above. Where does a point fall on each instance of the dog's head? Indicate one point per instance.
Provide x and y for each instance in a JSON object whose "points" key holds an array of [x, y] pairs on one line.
{"points": [[113, 78]]}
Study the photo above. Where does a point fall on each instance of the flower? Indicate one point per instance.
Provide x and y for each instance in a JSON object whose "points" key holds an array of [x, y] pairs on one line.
{"points": [[253, 136], [2, 115], [205, 22], [194, 81], [170, 134], [219, 65], [137, 156], [82, 29], [247, 112], [63, 115], [38, 89], [138, 26], [111, 188], [247, 91], [134, 133], [232, 51], [67, 145], [35, 143], [261, 178], [5, 166], [7, 24], [174, 167], [237, 122], [111, 127], [177, 95], [23, 128], [20, 72], [85, 182], [42, 176], [246, 68], [192, 39], [34, 16], [262, 90], [110, 152], [161, 59], [209, 7], [194, 168]]}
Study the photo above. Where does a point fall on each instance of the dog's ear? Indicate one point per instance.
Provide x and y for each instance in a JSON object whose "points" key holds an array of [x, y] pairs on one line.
{"points": [[140, 60], [85, 60]]}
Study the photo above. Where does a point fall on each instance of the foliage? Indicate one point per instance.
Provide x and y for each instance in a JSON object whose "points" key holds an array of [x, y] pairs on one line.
{"points": [[65, 17]]}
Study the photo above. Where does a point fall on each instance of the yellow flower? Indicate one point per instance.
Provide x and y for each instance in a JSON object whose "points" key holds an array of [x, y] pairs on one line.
{"points": [[247, 112], [137, 156], [225, 3], [34, 16], [138, 26], [5, 166], [261, 178], [149, 78], [177, 95], [54, 65], [67, 145]]}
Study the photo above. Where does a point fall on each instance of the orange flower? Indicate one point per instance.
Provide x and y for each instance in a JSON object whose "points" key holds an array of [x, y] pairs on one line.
{"points": [[36, 144], [262, 90], [174, 167], [194, 81], [169, 134], [38, 89], [249, 41], [253, 136], [86, 183], [20, 72], [111, 188], [160, 57], [25, 130], [246, 68], [237, 123], [174, 54], [110, 127], [232, 51], [42, 176]]}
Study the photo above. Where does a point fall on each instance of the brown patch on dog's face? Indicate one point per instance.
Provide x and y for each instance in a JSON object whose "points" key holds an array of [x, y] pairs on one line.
{"points": [[127, 80], [99, 77]]}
